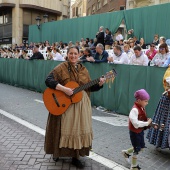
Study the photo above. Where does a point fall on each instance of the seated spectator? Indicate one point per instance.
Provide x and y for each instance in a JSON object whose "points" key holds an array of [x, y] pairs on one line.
{"points": [[119, 57], [151, 52], [139, 58], [17, 54], [160, 58], [115, 43], [100, 56], [91, 43], [36, 54], [87, 53], [81, 53], [49, 53], [119, 36], [162, 40], [3, 53], [24, 55], [65, 46], [167, 62], [132, 45], [156, 39], [121, 44], [57, 55], [136, 41], [142, 43], [128, 51], [130, 34], [9, 53]]}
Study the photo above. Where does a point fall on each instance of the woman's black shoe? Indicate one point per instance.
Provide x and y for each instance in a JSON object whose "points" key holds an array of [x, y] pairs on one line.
{"points": [[55, 159], [76, 162]]}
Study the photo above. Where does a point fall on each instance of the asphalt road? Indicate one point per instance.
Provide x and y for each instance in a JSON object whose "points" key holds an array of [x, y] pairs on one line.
{"points": [[110, 130]]}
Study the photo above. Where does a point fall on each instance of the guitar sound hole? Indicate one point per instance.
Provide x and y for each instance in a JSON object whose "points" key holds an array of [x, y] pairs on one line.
{"points": [[63, 105]]}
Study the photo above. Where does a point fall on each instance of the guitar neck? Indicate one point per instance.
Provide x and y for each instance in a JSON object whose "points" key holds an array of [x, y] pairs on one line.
{"points": [[86, 86]]}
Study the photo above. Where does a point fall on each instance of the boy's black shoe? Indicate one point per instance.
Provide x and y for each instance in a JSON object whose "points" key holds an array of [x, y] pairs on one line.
{"points": [[136, 168], [55, 159], [76, 162]]}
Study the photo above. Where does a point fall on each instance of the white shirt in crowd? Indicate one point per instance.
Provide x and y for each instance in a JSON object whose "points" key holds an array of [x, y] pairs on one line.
{"points": [[141, 60], [57, 56], [133, 116], [119, 37], [159, 59], [121, 59]]}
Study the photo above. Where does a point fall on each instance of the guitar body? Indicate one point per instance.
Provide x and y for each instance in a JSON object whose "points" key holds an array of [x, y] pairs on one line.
{"points": [[57, 102]]}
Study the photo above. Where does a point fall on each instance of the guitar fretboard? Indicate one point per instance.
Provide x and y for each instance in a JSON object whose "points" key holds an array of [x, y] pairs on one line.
{"points": [[86, 86]]}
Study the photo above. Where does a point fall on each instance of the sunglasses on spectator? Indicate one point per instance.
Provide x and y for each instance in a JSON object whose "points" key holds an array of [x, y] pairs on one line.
{"points": [[161, 49], [152, 46]]}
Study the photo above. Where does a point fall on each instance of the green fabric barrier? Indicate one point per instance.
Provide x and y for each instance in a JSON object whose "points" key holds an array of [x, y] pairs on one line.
{"points": [[118, 97], [148, 21], [75, 29], [145, 21]]}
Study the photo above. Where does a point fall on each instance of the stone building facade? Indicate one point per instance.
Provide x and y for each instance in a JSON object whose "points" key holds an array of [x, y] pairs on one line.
{"points": [[102, 6], [17, 15], [130, 4], [79, 8]]}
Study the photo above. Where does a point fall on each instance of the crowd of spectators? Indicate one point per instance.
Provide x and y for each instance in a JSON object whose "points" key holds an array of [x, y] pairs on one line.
{"points": [[103, 48]]}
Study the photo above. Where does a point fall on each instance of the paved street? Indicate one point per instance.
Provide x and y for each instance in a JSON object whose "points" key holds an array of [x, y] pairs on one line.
{"points": [[21, 148]]}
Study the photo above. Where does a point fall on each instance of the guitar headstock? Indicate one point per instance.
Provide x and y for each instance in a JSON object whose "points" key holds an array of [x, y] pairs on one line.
{"points": [[111, 74]]}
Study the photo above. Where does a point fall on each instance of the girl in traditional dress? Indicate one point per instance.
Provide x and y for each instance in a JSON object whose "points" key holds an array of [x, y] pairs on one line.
{"points": [[159, 138]]}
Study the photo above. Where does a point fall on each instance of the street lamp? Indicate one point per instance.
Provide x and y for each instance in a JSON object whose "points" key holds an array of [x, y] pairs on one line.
{"points": [[38, 19], [45, 16]]}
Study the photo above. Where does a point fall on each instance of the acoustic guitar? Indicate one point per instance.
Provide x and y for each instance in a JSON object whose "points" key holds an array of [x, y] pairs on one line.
{"points": [[57, 102]]}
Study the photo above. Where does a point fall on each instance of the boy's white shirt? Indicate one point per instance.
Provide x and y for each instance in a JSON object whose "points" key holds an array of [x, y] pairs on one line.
{"points": [[133, 116]]}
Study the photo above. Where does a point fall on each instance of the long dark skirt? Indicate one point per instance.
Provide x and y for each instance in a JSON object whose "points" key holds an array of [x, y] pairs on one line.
{"points": [[52, 140], [162, 116]]}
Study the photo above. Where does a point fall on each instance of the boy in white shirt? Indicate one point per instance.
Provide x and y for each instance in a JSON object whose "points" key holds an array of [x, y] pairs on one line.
{"points": [[137, 122]]}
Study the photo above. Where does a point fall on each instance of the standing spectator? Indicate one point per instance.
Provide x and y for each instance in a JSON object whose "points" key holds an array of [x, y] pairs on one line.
{"points": [[160, 58], [100, 36], [139, 58], [100, 56], [108, 39], [156, 39], [151, 52], [119, 36], [36, 54], [119, 57]]}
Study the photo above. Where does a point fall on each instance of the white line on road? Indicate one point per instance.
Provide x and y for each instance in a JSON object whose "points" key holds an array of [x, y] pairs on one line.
{"points": [[39, 101], [93, 156]]}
